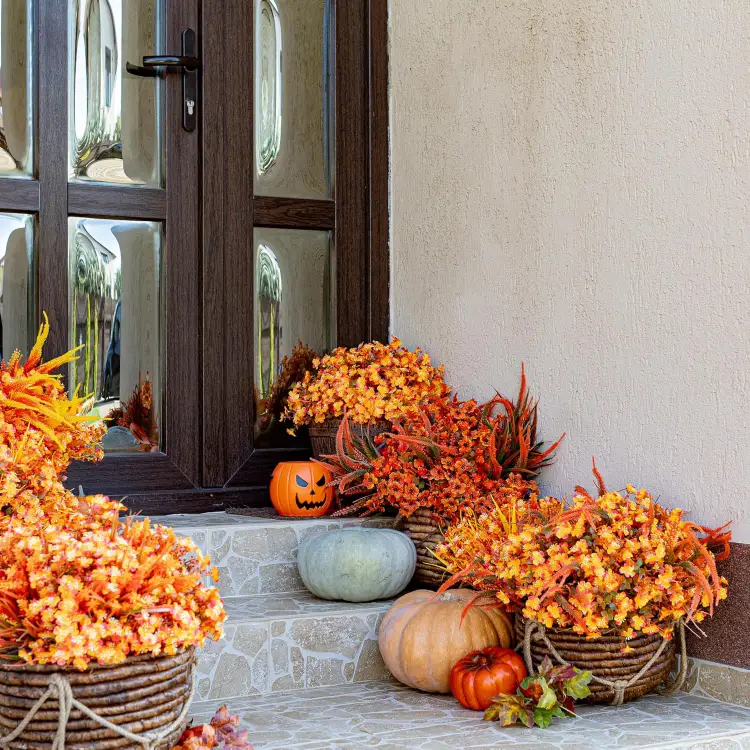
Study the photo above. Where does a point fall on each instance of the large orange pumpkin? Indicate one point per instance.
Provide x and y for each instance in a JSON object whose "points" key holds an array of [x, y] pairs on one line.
{"points": [[480, 676], [301, 488], [422, 636]]}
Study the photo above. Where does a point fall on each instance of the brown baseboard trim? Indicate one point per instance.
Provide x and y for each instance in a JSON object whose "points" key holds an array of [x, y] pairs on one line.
{"points": [[728, 632]]}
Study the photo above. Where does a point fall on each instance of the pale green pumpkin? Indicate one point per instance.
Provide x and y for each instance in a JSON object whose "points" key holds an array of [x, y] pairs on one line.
{"points": [[357, 565]]}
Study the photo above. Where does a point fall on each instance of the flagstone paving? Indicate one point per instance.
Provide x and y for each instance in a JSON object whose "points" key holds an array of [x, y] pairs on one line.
{"points": [[389, 716], [307, 673]]}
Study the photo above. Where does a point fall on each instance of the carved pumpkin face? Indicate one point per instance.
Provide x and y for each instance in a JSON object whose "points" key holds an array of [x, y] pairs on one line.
{"points": [[300, 488]]}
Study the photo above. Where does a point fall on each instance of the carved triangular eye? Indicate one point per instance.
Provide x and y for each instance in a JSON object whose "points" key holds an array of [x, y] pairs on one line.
{"points": [[301, 482], [321, 482]]}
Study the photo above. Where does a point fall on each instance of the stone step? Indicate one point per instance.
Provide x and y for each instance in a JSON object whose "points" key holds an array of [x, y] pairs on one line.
{"points": [[276, 642], [256, 554], [389, 716]]}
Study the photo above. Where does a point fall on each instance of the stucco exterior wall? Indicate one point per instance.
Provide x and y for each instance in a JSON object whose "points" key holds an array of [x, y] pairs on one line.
{"points": [[571, 188]]}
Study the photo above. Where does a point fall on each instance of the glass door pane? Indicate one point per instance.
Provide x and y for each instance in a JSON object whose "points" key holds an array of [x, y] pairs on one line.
{"points": [[115, 132], [294, 304], [16, 85], [17, 272], [293, 98], [116, 320]]}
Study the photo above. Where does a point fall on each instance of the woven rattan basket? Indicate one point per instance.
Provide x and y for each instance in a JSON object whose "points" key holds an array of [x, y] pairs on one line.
{"points": [[323, 435], [423, 529], [143, 694], [604, 657]]}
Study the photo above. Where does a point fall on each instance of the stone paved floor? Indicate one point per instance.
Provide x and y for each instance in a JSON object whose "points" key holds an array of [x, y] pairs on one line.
{"points": [[389, 716]]}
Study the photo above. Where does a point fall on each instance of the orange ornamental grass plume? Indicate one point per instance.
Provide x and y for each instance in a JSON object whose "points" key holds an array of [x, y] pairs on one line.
{"points": [[371, 382], [77, 584], [41, 432], [619, 562]]}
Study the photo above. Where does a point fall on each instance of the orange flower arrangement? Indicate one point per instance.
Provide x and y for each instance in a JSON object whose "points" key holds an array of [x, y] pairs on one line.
{"points": [[440, 464], [76, 583], [98, 589], [617, 562], [371, 382], [453, 456]]}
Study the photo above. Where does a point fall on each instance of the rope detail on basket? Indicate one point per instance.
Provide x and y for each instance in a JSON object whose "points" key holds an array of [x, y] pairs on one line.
{"points": [[59, 689], [535, 631]]}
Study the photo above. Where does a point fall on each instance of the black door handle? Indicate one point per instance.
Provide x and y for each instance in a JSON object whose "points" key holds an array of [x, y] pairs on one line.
{"points": [[172, 61], [150, 63], [187, 63]]}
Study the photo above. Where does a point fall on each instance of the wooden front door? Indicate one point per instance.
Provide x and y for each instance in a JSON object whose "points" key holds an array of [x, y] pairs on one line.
{"points": [[184, 224]]}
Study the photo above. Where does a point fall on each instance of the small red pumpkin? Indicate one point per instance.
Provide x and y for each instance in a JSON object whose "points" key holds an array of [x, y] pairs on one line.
{"points": [[301, 488], [481, 675]]}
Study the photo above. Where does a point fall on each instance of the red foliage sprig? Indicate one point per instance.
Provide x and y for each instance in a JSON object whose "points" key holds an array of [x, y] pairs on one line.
{"points": [[221, 732]]}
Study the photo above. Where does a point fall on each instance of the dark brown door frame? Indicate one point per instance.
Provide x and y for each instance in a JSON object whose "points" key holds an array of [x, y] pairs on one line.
{"points": [[358, 216], [207, 279], [179, 468]]}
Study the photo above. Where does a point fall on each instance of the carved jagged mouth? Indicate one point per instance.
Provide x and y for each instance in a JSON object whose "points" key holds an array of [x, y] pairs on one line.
{"points": [[309, 506]]}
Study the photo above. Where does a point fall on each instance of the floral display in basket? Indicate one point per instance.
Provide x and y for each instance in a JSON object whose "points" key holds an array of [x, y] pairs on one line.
{"points": [[605, 581], [452, 457], [81, 589], [375, 384]]}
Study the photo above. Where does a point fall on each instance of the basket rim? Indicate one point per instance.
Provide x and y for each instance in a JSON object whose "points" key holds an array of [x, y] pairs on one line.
{"points": [[179, 658], [611, 635], [333, 423]]}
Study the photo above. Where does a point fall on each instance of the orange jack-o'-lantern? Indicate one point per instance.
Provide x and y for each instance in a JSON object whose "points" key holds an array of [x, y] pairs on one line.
{"points": [[301, 488]]}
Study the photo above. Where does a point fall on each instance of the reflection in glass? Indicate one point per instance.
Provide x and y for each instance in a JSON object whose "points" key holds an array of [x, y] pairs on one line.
{"points": [[114, 119], [293, 299], [114, 292], [17, 313], [269, 85], [16, 104], [293, 98]]}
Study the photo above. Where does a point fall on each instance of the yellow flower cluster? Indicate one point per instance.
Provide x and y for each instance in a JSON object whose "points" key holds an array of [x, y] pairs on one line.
{"points": [[619, 562], [77, 584], [371, 382]]}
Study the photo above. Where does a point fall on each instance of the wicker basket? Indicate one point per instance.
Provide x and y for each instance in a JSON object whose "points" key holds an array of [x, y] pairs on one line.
{"points": [[604, 658], [323, 435], [423, 529], [143, 694]]}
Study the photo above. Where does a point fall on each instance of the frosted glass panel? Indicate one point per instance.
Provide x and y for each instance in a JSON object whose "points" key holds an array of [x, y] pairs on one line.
{"points": [[115, 128], [294, 272], [17, 314], [115, 317], [16, 85], [293, 98]]}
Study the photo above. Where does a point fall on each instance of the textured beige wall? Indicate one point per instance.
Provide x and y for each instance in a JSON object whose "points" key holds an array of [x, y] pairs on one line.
{"points": [[571, 188]]}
